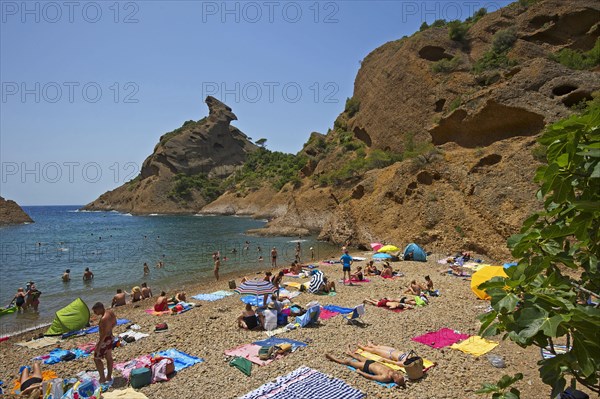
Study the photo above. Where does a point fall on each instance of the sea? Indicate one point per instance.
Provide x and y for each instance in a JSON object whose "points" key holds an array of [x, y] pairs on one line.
{"points": [[115, 247]]}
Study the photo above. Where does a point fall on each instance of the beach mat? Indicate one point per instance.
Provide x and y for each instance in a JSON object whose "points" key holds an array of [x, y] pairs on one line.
{"points": [[305, 382], [208, 297], [277, 341], [441, 338], [475, 346], [250, 352], [39, 343], [55, 355], [181, 359], [427, 364], [242, 364]]}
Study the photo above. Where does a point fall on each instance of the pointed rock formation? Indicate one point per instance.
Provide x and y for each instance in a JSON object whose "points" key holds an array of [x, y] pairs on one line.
{"points": [[12, 213]]}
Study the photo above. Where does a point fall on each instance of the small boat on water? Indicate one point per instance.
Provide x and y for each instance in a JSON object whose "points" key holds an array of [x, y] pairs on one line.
{"points": [[8, 310]]}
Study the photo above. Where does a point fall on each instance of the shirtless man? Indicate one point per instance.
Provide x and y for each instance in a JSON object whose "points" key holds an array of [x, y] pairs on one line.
{"points": [[146, 291], [392, 304], [88, 275], [389, 354], [66, 277], [146, 268], [370, 369], [274, 257], [119, 299], [217, 265], [413, 288], [107, 322]]}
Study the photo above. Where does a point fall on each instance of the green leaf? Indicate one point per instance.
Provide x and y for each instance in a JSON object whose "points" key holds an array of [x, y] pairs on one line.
{"points": [[507, 304], [508, 380], [531, 319], [550, 324]]}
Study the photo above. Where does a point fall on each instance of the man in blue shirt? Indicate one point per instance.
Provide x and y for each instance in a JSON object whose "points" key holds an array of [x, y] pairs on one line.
{"points": [[346, 263]]}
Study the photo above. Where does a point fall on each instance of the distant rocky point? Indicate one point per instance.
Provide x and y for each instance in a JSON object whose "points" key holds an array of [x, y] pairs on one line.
{"points": [[170, 181], [11, 213]]}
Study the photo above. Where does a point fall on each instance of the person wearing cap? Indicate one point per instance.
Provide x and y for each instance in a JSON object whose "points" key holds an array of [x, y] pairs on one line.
{"points": [[346, 264]]}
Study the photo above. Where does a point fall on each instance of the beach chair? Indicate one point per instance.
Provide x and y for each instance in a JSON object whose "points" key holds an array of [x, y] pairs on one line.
{"points": [[354, 316]]}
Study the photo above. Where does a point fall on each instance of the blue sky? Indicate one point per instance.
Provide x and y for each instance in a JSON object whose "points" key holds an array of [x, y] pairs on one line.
{"points": [[89, 87]]}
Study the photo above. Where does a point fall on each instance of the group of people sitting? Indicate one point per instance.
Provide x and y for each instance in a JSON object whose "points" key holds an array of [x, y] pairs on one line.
{"points": [[136, 294], [270, 316], [418, 292], [163, 301], [386, 272]]}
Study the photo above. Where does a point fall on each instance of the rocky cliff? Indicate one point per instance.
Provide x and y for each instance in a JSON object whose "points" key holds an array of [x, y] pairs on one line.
{"points": [[436, 146], [11, 213], [467, 111], [171, 179]]}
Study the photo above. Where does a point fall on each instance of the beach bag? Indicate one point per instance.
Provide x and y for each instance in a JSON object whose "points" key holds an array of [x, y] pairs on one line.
{"points": [[267, 352], [140, 377], [283, 348], [232, 285], [161, 327], [67, 357], [413, 366], [571, 393]]}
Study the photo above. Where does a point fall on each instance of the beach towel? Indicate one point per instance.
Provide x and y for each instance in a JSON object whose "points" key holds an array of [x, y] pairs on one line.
{"points": [[181, 359], [296, 285], [91, 330], [475, 346], [56, 355], [441, 338], [283, 329], [559, 349], [155, 313], [223, 293], [39, 343], [427, 364], [128, 393], [327, 314], [305, 382], [353, 280], [136, 335], [338, 309], [242, 364], [253, 300], [383, 384], [126, 367], [276, 341], [46, 376], [250, 352], [208, 297]]}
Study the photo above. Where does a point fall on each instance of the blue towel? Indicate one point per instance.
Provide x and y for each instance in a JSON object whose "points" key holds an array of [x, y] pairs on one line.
{"points": [[276, 341], [253, 300], [208, 297], [383, 384], [91, 330], [338, 309], [181, 359]]}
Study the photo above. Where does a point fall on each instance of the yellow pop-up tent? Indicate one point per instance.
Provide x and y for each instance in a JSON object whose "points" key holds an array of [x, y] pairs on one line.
{"points": [[482, 275]]}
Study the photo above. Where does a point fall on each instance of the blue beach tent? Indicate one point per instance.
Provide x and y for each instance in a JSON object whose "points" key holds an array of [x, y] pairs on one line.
{"points": [[418, 253]]}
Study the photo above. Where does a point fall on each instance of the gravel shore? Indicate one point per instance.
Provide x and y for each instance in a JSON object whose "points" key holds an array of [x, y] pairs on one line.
{"points": [[210, 329]]}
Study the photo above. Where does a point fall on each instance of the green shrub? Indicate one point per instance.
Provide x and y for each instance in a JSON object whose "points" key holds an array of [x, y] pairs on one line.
{"points": [[504, 40], [352, 106], [339, 124], [492, 60], [457, 30], [576, 59], [455, 104], [423, 27], [446, 66], [187, 125], [439, 23], [184, 185]]}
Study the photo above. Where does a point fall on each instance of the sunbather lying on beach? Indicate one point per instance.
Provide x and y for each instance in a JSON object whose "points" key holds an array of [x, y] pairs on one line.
{"points": [[249, 320], [402, 303], [370, 369], [388, 353], [31, 381]]}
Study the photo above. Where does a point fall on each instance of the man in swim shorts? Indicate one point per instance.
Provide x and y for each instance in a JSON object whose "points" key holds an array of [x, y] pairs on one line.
{"points": [[346, 265], [370, 369], [103, 350]]}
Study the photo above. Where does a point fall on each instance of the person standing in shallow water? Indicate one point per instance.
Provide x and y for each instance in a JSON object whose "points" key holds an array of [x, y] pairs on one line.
{"points": [[274, 257], [66, 277], [217, 265], [146, 268], [88, 275]]}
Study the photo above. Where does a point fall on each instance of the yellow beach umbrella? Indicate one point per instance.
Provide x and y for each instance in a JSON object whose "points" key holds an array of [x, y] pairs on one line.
{"points": [[484, 274], [388, 248]]}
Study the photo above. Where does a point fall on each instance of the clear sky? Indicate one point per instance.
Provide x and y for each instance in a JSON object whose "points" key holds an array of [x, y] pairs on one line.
{"points": [[88, 87]]}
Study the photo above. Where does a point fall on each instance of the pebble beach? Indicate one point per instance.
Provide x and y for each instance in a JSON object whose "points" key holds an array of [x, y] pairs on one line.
{"points": [[210, 329]]}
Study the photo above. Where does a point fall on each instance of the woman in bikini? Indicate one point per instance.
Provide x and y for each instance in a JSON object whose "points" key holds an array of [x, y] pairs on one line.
{"points": [[30, 382], [388, 353], [402, 303]]}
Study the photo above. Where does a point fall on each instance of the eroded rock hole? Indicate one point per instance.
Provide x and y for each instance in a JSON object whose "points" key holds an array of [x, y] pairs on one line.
{"points": [[434, 53], [563, 89], [439, 105], [577, 97]]}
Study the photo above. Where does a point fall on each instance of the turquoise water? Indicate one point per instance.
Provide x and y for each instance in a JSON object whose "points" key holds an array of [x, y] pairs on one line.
{"points": [[115, 246]]}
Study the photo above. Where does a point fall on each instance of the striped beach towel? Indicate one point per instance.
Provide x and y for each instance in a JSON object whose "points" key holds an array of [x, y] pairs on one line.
{"points": [[305, 382]]}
